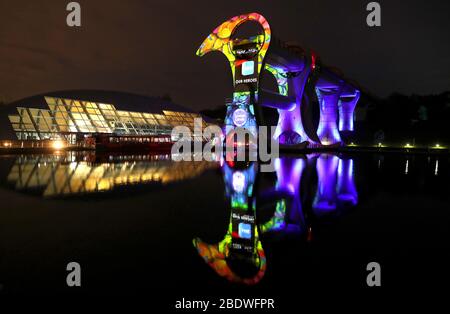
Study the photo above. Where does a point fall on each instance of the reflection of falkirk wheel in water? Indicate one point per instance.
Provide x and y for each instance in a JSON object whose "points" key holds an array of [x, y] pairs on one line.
{"points": [[335, 184], [288, 216], [241, 249], [240, 256], [300, 80]]}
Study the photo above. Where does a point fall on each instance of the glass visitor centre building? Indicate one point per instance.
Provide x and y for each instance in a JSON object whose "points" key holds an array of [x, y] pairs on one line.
{"points": [[72, 119]]}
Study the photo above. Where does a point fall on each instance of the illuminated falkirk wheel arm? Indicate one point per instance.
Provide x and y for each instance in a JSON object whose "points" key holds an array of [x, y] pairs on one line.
{"points": [[246, 58]]}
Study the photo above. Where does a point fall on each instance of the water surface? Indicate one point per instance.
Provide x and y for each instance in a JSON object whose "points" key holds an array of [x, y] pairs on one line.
{"points": [[144, 223]]}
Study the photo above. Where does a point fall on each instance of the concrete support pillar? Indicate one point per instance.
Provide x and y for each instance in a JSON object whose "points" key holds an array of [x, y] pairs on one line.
{"points": [[346, 109], [328, 130]]}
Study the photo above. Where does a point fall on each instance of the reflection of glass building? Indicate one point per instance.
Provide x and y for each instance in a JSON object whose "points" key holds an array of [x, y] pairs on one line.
{"points": [[68, 117], [56, 175]]}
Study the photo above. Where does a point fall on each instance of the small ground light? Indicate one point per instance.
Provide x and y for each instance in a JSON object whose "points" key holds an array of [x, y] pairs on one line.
{"points": [[380, 145], [58, 144]]}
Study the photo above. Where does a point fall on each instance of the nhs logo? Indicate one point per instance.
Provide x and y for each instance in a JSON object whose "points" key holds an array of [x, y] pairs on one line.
{"points": [[248, 68], [245, 231]]}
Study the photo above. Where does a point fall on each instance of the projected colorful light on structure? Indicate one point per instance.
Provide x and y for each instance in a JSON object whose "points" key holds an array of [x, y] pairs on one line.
{"points": [[246, 58], [292, 69]]}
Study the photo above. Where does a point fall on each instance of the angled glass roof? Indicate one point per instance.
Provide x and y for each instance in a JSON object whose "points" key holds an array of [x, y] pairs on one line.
{"points": [[68, 116]]}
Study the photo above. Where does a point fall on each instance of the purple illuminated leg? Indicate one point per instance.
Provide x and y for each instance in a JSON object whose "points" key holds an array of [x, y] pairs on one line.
{"points": [[327, 131], [346, 108]]}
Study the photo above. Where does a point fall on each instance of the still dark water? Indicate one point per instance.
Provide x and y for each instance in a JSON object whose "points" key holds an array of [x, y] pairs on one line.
{"points": [[148, 226]]}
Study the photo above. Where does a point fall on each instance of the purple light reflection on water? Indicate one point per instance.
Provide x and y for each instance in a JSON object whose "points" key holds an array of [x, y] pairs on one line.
{"points": [[346, 188], [326, 195]]}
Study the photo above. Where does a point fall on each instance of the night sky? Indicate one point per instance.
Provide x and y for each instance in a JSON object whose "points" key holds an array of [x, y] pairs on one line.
{"points": [[148, 47]]}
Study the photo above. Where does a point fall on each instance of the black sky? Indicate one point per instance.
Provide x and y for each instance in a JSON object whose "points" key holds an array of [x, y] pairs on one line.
{"points": [[148, 47]]}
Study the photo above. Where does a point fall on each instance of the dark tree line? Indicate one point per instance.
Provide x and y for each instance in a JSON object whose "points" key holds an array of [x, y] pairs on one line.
{"points": [[419, 119]]}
